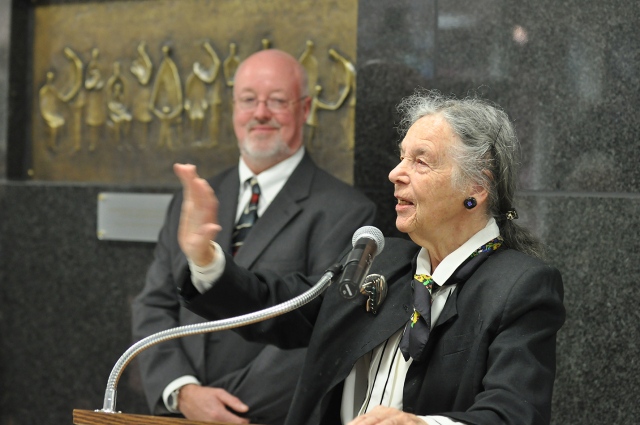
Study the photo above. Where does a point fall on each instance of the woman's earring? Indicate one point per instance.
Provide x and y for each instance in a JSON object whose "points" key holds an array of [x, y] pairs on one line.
{"points": [[470, 203]]}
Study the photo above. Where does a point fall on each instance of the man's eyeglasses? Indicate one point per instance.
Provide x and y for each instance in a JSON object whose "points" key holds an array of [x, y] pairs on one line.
{"points": [[274, 104]]}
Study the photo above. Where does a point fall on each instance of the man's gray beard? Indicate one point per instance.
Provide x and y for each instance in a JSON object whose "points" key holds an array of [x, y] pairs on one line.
{"points": [[278, 149]]}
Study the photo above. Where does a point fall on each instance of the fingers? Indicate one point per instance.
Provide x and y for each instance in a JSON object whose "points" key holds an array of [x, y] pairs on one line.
{"points": [[228, 417], [199, 215], [233, 403], [211, 405], [380, 415], [185, 173], [195, 188]]}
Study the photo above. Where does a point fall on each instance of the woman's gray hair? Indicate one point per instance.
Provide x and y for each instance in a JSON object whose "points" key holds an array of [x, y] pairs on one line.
{"points": [[488, 154]]}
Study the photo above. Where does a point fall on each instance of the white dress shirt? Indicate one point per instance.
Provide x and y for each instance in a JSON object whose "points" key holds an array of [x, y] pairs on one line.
{"points": [[271, 181]]}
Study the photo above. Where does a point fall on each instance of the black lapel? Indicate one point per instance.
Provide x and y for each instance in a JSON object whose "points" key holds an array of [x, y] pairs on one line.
{"points": [[459, 277], [415, 376]]}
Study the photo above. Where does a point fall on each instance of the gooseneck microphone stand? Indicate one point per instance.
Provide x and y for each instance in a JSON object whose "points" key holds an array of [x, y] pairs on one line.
{"points": [[218, 325]]}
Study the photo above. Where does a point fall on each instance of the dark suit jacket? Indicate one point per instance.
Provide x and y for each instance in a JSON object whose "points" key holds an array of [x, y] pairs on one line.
{"points": [[491, 354], [310, 221]]}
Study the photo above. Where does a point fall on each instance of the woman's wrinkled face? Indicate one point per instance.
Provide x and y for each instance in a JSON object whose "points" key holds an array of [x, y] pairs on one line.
{"points": [[429, 206]]}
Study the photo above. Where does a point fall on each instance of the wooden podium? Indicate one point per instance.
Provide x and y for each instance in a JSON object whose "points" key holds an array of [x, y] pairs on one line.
{"points": [[90, 417]]}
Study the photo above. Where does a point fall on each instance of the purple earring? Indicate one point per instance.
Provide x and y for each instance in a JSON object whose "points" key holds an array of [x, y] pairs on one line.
{"points": [[470, 203]]}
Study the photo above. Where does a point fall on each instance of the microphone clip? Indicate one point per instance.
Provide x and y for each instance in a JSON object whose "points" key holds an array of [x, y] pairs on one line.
{"points": [[375, 287]]}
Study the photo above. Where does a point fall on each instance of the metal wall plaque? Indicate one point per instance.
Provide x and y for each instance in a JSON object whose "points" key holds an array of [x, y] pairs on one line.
{"points": [[134, 217], [123, 89]]}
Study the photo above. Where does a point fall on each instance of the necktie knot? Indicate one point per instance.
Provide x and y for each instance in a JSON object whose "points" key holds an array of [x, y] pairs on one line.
{"points": [[425, 279], [248, 217], [422, 288], [255, 187]]}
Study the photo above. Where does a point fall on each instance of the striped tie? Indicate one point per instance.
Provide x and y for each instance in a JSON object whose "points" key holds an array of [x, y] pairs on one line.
{"points": [[247, 219]]}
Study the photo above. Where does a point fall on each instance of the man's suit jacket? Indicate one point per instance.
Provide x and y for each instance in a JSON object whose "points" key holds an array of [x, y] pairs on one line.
{"points": [[491, 353], [310, 221]]}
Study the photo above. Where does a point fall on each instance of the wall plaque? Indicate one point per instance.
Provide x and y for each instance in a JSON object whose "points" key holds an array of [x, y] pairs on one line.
{"points": [[123, 89], [131, 216]]}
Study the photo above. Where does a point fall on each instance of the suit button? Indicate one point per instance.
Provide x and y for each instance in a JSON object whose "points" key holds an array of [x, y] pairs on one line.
{"points": [[406, 307]]}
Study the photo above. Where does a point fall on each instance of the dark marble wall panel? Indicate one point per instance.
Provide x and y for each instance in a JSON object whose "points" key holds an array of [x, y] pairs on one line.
{"points": [[594, 242], [5, 20], [18, 88], [389, 68], [5, 17], [568, 74], [65, 305]]}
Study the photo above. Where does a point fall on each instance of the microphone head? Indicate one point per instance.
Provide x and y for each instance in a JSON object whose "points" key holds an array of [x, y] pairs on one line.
{"points": [[372, 233]]}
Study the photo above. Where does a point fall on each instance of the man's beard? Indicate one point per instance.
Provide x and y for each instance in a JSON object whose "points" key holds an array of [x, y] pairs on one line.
{"points": [[257, 149]]}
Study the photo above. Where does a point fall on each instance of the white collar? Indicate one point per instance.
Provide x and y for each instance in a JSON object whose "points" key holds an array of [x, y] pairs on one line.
{"points": [[272, 179], [452, 261]]}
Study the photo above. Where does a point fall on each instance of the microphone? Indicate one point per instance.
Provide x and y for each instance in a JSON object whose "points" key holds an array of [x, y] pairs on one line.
{"points": [[368, 241]]}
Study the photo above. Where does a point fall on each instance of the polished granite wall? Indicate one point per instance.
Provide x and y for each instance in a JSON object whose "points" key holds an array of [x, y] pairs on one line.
{"points": [[5, 17], [567, 72]]}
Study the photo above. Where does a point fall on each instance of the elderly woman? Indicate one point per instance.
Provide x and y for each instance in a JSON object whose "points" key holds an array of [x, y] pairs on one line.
{"points": [[467, 333]]}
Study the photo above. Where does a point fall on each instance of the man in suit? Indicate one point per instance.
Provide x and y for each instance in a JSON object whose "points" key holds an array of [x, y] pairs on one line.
{"points": [[467, 333], [305, 218]]}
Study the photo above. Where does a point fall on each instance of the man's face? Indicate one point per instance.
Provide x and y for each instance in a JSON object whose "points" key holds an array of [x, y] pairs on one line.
{"points": [[268, 135], [429, 207]]}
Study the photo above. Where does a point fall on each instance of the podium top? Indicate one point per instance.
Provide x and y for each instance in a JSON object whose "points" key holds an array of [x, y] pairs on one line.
{"points": [[90, 417]]}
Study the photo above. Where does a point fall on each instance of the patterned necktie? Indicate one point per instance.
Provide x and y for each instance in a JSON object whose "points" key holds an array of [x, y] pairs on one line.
{"points": [[247, 219], [416, 332]]}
